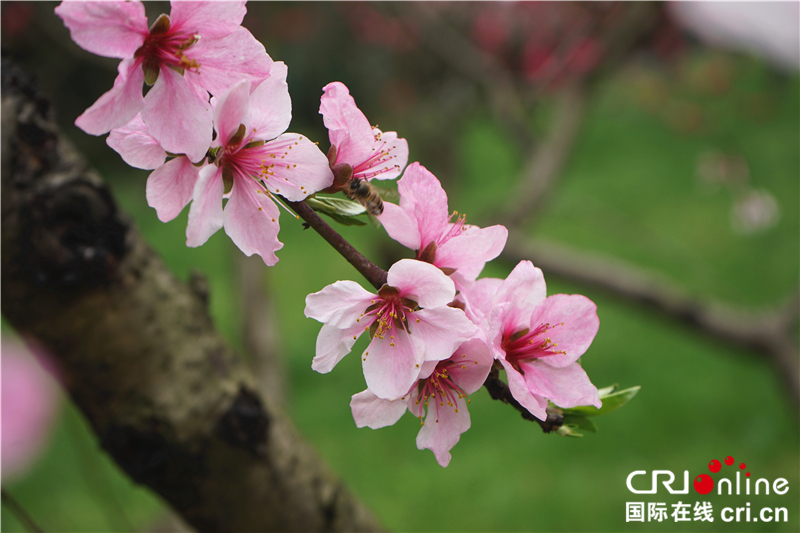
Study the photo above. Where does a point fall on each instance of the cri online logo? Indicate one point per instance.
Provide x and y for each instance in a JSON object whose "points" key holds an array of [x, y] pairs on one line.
{"points": [[704, 484]]}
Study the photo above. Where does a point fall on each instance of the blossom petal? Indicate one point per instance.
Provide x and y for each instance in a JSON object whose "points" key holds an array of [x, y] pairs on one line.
{"points": [[440, 330], [443, 427], [298, 169], [469, 251], [422, 282], [176, 115], [339, 112], [270, 105], [170, 187], [224, 62], [136, 146], [373, 412], [388, 158], [567, 386], [119, 105], [392, 364], [520, 293], [477, 361], [230, 109], [205, 214], [575, 322], [109, 29], [422, 197], [400, 226], [332, 345], [341, 305], [251, 221], [479, 299], [536, 405], [211, 20]]}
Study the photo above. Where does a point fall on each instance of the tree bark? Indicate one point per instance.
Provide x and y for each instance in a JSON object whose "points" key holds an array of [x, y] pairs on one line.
{"points": [[139, 354]]}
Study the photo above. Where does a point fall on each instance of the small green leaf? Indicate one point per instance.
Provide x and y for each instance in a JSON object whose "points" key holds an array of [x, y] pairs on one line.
{"points": [[567, 431], [339, 206], [580, 422], [347, 221], [611, 399]]}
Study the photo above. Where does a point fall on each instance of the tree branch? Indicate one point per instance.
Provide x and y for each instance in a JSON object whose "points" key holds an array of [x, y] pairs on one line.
{"points": [[167, 398], [768, 333], [374, 274]]}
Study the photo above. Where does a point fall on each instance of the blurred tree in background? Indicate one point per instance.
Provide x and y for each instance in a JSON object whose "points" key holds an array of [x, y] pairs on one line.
{"points": [[633, 162]]}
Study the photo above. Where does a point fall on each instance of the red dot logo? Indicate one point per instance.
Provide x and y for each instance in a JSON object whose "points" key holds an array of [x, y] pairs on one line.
{"points": [[714, 466], [729, 460], [703, 484]]}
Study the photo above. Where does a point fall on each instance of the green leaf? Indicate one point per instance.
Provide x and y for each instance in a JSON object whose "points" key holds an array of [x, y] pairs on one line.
{"points": [[341, 210], [611, 398], [580, 422], [339, 206]]}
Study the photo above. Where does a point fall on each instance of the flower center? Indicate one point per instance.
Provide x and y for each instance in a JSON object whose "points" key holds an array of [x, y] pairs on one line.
{"points": [[524, 345], [439, 388], [381, 155], [165, 46]]}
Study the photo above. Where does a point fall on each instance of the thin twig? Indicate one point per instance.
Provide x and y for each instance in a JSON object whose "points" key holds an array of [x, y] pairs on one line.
{"points": [[374, 274], [547, 161], [19, 512]]}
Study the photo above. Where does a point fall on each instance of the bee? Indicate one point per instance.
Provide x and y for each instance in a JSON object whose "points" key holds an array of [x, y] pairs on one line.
{"points": [[363, 192]]}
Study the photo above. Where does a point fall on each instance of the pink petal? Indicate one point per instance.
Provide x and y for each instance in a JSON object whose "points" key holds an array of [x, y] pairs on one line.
{"points": [[400, 226], [536, 405], [422, 197], [440, 330], [341, 305], [391, 164], [339, 112], [136, 146], [226, 61], [392, 365], [568, 386], [178, 118], [332, 345], [170, 187], [373, 412], [298, 169], [422, 282], [443, 427], [29, 408], [205, 214], [477, 360], [580, 324], [471, 249], [119, 105], [230, 110], [110, 29], [251, 220], [270, 105], [479, 299], [211, 20], [517, 297]]}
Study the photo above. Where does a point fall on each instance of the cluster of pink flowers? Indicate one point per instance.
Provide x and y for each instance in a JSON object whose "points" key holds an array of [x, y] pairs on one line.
{"points": [[212, 128]]}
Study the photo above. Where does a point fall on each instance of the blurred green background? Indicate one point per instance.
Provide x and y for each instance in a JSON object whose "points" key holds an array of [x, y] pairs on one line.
{"points": [[686, 164]]}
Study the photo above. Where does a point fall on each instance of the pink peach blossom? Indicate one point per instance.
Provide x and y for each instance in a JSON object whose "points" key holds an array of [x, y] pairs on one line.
{"points": [[422, 222], [443, 390], [537, 339], [408, 320], [371, 153], [250, 162], [200, 48]]}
